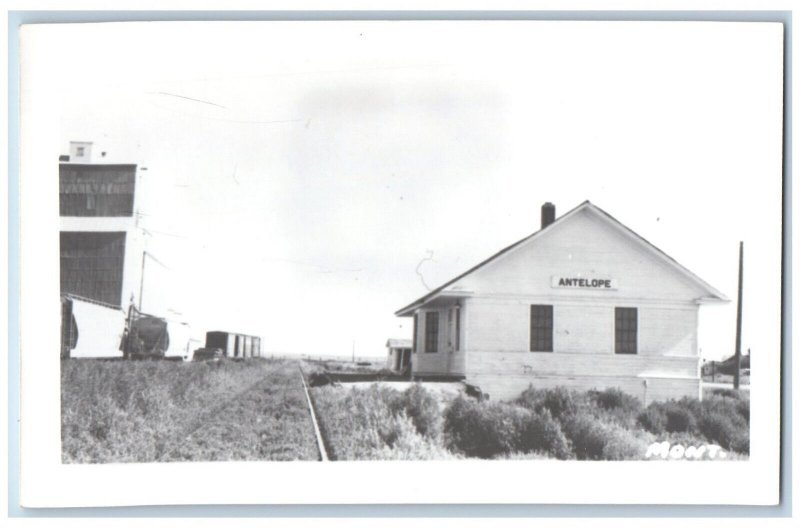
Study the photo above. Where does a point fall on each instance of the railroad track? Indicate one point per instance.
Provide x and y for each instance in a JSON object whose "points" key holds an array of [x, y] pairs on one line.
{"points": [[323, 452], [207, 418]]}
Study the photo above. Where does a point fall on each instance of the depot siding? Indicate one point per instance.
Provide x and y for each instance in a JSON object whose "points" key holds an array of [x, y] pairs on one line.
{"points": [[580, 327], [507, 386]]}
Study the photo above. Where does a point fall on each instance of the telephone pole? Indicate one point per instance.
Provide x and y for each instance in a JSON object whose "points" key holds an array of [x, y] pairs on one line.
{"points": [[738, 365], [141, 280]]}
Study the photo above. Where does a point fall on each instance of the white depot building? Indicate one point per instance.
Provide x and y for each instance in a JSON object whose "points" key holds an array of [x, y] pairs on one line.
{"points": [[583, 303]]}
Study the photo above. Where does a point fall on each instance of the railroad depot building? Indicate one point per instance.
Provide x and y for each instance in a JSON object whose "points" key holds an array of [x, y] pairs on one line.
{"points": [[583, 303]]}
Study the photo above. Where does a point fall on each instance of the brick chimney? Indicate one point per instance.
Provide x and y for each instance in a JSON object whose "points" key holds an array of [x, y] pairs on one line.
{"points": [[548, 214]]}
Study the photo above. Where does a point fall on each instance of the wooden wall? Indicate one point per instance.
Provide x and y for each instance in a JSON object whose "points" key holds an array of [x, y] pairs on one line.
{"points": [[96, 190], [508, 386], [503, 324], [92, 265]]}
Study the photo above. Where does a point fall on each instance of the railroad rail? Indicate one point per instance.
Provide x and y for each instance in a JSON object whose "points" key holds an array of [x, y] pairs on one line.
{"points": [[323, 453], [205, 418]]}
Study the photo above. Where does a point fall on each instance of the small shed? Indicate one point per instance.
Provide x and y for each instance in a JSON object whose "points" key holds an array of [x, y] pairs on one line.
{"points": [[399, 354]]}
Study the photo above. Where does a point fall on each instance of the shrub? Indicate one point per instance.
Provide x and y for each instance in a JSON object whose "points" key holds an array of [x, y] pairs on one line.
{"points": [[736, 408], [614, 398], [489, 430], [615, 406], [722, 418], [480, 429], [623, 444], [542, 434], [422, 408], [722, 430], [721, 421], [679, 419], [743, 408], [559, 401], [653, 419], [593, 439], [670, 417], [587, 435]]}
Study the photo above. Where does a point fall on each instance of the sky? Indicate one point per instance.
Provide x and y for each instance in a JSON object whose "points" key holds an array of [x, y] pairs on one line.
{"points": [[306, 180]]}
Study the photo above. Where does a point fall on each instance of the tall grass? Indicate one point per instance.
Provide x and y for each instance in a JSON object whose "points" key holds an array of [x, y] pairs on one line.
{"points": [[380, 423], [144, 411]]}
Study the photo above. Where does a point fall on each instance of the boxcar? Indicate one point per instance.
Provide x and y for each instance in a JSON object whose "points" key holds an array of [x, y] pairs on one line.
{"points": [[234, 345]]}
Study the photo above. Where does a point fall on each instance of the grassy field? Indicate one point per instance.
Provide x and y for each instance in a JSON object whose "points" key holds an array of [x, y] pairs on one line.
{"points": [[145, 411], [379, 423]]}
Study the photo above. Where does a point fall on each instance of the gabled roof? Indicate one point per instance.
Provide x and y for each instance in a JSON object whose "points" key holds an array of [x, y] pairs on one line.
{"points": [[712, 293]]}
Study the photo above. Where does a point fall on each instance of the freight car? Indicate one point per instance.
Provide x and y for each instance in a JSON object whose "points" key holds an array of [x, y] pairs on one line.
{"points": [[234, 345]]}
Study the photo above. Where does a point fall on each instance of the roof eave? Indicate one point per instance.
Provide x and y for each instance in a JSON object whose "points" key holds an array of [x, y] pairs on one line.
{"points": [[713, 299], [419, 303]]}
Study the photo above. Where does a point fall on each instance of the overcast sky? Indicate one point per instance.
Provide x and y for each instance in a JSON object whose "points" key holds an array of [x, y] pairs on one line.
{"points": [[304, 181]]}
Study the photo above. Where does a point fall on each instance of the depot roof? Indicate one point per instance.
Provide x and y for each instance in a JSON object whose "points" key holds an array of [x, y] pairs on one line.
{"points": [[712, 294]]}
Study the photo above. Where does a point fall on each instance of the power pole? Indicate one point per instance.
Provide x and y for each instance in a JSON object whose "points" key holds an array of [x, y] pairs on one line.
{"points": [[141, 281], [354, 350], [738, 365]]}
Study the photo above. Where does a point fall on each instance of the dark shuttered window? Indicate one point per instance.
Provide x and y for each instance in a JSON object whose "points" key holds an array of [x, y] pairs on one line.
{"points": [[541, 328], [432, 332], [625, 329]]}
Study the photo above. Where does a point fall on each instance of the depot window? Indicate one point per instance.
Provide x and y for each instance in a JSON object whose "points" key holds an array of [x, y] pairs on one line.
{"points": [[431, 331], [541, 328], [625, 329]]}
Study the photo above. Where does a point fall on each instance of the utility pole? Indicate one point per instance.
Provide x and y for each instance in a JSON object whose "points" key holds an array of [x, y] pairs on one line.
{"points": [[141, 280], [354, 350], [145, 254], [738, 365]]}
